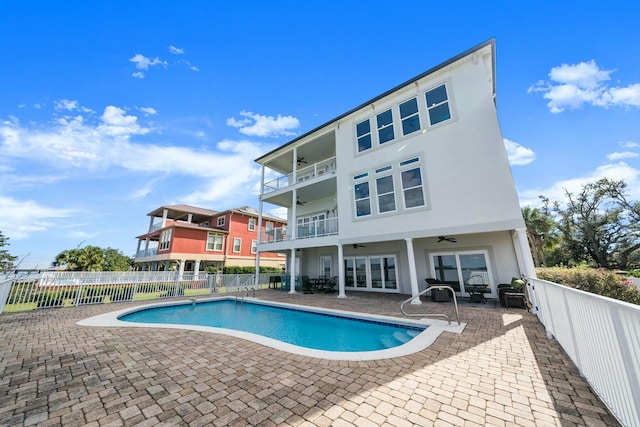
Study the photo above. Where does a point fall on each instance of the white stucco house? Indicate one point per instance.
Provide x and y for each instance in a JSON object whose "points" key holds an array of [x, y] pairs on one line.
{"points": [[410, 185]]}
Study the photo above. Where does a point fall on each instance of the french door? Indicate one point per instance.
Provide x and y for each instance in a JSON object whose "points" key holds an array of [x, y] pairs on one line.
{"points": [[371, 273], [462, 268]]}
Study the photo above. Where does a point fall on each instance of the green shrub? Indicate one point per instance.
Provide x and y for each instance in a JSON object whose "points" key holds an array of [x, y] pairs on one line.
{"points": [[597, 281]]}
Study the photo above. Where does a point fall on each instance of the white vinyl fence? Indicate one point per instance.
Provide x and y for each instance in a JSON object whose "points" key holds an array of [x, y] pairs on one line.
{"points": [[68, 289], [602, 337]]}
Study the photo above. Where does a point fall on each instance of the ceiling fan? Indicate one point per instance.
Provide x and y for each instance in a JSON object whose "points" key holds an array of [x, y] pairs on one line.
{"points": [[300, 160], [356, 246], [447, 239], [300, 203]]}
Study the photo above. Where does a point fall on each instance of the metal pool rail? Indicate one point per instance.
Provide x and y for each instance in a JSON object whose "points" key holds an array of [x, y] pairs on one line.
{"points": [[443, 287]]}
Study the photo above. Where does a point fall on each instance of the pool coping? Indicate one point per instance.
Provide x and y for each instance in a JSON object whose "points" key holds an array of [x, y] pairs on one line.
{"points": [[434, 327]]}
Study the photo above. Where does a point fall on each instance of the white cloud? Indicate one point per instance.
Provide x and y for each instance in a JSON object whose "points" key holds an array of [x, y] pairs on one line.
{"points": [[615, 171], [20, 218], [629, 144], [69, 105], [176, 50], [149, 111], [264, 126], [143, 63], [621, 155], [518, 154], [572, 86], [116, 122]]}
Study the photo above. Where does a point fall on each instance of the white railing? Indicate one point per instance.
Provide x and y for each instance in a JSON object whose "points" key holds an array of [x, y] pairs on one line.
{"points": [[149, 252], [304, 174], [69, 289], [602, 337], [273, 235], [317, 228]]}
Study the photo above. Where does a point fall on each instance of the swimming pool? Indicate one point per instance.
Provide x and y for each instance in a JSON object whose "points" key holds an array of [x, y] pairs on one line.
{"points": [[400, 337], [303, 328]]}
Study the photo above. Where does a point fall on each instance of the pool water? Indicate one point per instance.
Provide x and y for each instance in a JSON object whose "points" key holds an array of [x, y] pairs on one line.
{"points": [[302, 328]]}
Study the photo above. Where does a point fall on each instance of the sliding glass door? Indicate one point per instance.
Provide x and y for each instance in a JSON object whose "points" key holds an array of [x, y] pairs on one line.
{"points": [[463, 267], [371, 273]]}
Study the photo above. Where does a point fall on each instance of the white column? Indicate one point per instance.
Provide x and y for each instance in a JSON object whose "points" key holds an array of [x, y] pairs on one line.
{"points": [[341, 283], [259, 237], [525, 260], [181, 269], [189, 218], [293, 225], [146, 246], [292, 272], [413, 275], [165, 212], [151, 223], [196, 268], [138, 249]]}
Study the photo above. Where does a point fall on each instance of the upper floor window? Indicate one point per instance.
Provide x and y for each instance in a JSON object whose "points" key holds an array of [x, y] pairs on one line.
{"points": [[385, 126], [409, 116], [363, 133], [386, 195], [165, 239], [220, 221], [412, 188], [252, 224], [214, 241], [438, 105], [237, 244], [254, 246], [362, 198]]}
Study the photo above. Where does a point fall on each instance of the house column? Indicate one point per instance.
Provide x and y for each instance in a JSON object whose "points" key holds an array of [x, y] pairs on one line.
{"points": [[525, 261], [196, 268], [413, 275], [138, 248], [341, 283], [165, 212], [166, 265], [181, 269], [292, 272], [259, 237], [151, 224], [146, 246]]}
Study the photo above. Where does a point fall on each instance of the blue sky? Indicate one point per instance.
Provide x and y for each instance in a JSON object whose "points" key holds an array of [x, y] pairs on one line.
{"points": [[109, 110]]}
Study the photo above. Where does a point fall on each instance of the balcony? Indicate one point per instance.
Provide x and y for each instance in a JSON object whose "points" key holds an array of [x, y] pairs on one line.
{"points": [[309, 230], [308, 173], [148, 252]]}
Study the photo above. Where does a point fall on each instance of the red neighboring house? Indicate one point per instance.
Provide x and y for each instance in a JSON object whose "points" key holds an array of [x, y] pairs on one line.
{"points": [[188, 238]]}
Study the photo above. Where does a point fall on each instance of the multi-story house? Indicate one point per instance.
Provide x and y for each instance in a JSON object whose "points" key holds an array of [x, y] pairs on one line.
{"points": [[413, 184], [189, 238]]}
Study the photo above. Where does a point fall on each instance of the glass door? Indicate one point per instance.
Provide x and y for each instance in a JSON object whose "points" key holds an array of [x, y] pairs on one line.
{"points": [[325, 266], [374, 272], [460, 268]]}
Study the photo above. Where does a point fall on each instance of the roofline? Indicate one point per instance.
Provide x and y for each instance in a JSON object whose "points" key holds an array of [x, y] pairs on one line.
{"points": [[491, 42]]}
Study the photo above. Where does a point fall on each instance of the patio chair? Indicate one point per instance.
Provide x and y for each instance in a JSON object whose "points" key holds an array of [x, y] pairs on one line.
{"points": [[513, 294], [438, 295], [306, 285]]}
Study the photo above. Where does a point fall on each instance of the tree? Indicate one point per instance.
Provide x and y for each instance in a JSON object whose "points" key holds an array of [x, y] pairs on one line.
{"points": [[115, 260], [93, 258], [542, 232], [6, 259], [600, 224]]}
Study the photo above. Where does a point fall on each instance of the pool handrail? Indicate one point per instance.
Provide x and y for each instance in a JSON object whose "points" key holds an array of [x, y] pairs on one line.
{"points": [[442, 287]]}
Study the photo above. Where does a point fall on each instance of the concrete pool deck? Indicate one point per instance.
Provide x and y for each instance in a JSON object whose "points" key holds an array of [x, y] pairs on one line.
{"points": [[501, 370]]}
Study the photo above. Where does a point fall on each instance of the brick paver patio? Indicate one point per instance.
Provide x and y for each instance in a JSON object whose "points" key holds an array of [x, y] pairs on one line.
{"points": [[501, 371]]}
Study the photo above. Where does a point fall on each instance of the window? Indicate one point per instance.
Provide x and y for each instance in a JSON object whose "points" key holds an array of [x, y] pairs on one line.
{"points": [[269, 225], [409, 116], [371, 273], [214, 242], [237, 244], [363, 134], [252, 224], [254, 246], [386, 195], [165, 240], [220, 221], [412, 188], [385, 126], [438, 105], [363, 200]]}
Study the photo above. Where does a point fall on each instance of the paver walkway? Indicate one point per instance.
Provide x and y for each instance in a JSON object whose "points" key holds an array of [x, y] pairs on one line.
{"points": [[501, 371]]}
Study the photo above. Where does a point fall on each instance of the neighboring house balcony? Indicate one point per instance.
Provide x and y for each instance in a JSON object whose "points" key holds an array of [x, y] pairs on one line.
{"points": [[145, 253], [303, 174]]}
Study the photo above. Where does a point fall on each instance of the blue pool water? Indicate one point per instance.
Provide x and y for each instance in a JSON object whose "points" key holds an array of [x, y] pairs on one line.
{"points": [[302, 328]]}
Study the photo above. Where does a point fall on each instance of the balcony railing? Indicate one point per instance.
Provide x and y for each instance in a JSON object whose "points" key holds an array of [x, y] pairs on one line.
{"points": [[304, 174], [309, 230], [274, 235], [318, 228], [148, 252]]}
